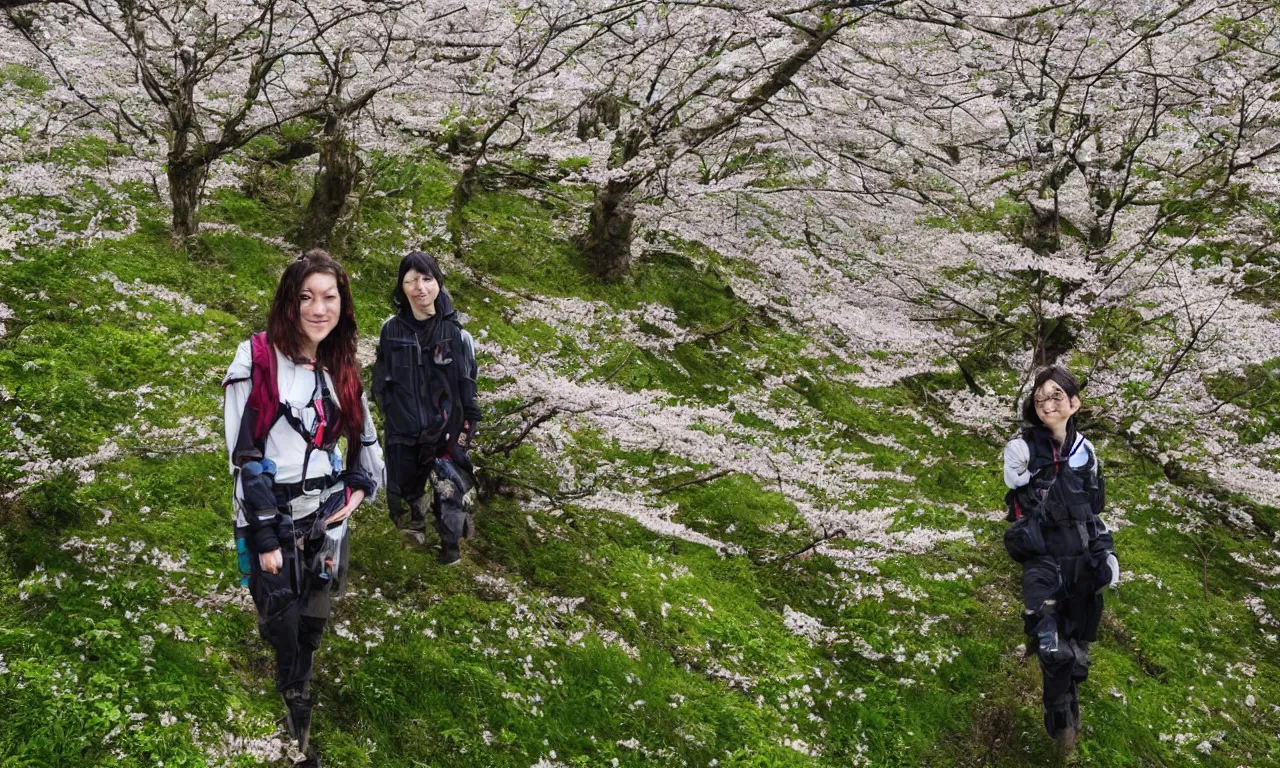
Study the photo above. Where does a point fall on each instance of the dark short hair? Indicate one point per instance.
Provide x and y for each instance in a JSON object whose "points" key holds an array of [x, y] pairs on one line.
{"points": [[420, 262], [1058, 375]]}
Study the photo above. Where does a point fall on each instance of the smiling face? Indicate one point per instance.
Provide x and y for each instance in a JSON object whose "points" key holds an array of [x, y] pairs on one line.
{"points": [[319, 308], [1054, 406], [421, 290]]}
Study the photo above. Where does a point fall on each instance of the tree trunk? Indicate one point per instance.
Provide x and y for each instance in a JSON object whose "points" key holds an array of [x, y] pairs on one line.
{"points": [[1054, 339], [340, 166], [186, 179], [607, 241], [465, 188]]}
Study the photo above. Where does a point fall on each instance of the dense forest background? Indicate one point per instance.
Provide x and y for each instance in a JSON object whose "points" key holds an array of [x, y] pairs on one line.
{"points": [[756, 288]]}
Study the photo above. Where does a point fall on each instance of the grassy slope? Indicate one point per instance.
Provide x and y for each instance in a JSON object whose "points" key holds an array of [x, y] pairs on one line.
{"points": [[137, 619]]}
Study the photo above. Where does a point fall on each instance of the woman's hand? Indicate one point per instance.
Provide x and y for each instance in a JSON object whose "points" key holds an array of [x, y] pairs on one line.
{"points": [[272, 561], [342, 514]]}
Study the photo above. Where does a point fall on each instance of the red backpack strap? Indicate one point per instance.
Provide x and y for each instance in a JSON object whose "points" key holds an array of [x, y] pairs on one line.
{"points": [[264, 399]]}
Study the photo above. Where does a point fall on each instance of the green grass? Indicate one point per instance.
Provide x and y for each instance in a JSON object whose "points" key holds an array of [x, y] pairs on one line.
{"points": [[24, 78], [567, 628]]}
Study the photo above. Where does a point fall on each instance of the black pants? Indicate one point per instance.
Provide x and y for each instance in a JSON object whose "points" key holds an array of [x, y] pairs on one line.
{"points": [[1073, 618], [292, 611], [410, 467]]}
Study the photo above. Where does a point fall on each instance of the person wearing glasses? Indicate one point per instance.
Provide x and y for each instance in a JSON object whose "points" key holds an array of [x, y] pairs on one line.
{"points": [[424, 381], [291, 394], [1055, 501]]}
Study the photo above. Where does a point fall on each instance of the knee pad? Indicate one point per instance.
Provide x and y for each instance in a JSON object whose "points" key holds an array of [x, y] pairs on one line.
{"points": [[1050, 647]]}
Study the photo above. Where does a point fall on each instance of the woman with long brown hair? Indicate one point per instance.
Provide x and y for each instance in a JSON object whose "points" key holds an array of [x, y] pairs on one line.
{"points": [[291, 394]]}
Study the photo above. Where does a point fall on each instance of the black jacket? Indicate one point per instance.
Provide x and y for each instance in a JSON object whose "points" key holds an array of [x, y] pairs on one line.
{"points": [[1058, 512], [424, 379]]}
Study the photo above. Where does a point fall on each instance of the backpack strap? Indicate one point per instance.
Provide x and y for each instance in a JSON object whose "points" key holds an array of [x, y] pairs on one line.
{"points": [[262, 409], [264, 398]]}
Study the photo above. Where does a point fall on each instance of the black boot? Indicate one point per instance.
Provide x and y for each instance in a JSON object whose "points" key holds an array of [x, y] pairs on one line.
{"points": [[450, 553], [1066, 726], [450, 514], [299, 718], [411, 521]]}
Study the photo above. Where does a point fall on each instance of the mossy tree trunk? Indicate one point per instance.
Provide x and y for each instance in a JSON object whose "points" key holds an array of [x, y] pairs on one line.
{"points": [[340, 166], [186, 180], [607, 241]]}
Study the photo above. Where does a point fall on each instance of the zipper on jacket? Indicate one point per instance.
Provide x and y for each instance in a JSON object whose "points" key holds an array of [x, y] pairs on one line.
{"points": [[413, 376], [417, 370]]}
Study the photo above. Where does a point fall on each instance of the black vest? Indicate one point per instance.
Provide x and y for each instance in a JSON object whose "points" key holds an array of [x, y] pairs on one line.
{"points": [[1053, 513]]}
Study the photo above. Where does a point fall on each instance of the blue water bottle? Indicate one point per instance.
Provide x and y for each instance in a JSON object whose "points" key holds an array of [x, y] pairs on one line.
{"points": [[242, 556]]}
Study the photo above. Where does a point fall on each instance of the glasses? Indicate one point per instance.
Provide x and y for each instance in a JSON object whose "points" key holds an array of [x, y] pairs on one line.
{"points": [[1056, 397]]}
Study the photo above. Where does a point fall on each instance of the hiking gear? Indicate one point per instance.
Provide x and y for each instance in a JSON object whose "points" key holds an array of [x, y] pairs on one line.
{"points": [[264, 399], [1047, 635], [255, 404], [257, 479], [300, 706], [293, 605], [424, 379], [425, 384], [257, 483], [325, 565], [410, 469], [327, 549], [1024, 540], [450, 485], [309, 487], [450, 553], [1066, 556], [1108, 573], [1067, 736]]}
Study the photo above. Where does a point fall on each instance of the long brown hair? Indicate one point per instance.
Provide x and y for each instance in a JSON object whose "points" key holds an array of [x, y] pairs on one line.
{"points": [[337, 352]]}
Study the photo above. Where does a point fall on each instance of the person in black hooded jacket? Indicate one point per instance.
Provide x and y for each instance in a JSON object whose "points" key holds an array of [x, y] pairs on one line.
{"points": [[424, 381], [1055, 501]]}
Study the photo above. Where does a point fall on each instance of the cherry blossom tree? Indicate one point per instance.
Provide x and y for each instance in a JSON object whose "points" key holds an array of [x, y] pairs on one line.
{"points": [[693, 75], [214, 77], [1070, 150]]}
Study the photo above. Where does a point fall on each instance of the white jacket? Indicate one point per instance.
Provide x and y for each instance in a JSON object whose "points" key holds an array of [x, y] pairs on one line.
{"points": [[297, 386]]}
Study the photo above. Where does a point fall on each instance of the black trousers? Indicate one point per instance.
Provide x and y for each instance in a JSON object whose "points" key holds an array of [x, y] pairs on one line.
{"points": [[292, 609], [410, 467], [1072, 619]]}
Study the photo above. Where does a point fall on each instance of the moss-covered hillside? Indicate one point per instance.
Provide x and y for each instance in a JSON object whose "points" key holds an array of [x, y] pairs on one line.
{"points": [[717, 550]]}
